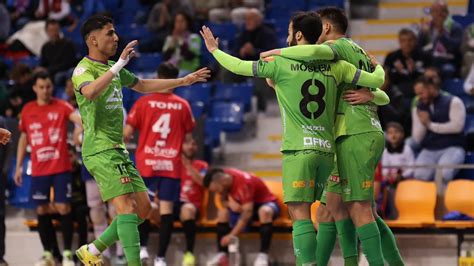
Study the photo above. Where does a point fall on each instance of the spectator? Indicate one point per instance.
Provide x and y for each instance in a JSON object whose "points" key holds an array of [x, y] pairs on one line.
{"points": [[202, 9], [58, 55], [255, 38], [21, 12], [71, 97], [433, 74], [234, 10], [467, 50], [407, 63], [58, 10], [21, 92], [441, 38], [469, 82], [438, 123], [397, 152], [4, 23], [159, 22], [182, 48]]}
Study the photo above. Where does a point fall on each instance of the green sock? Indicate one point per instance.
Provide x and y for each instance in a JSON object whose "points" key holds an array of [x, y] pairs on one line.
{"points": [[304, 242], [327, 238], [389, 244], [369, 236], [107, 238], [348, 241], [127, 229]]}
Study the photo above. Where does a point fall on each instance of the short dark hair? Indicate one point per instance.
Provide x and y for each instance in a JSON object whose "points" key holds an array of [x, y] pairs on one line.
{"points": [[166, 70], [395, 125], [51, 22], [426, 81], [309, 24], [336, 16], [407, 31], [209, 177], [96, 22], [41, 75]]}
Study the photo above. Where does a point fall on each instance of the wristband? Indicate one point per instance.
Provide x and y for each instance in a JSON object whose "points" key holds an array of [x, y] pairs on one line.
{"points": [[115, 69]]}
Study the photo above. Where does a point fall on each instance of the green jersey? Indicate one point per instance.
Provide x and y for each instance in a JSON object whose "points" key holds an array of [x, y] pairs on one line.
{"points": [[351, 119], [102, 117], [307, 94]]}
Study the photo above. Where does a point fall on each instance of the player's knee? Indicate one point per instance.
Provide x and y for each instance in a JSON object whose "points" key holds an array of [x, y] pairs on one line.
{"points": [[299, 210], [323, 214], [166, 207], [188, 212], [63, 208], [144, 210], [222, 216], [125, 205], [265, 214]]}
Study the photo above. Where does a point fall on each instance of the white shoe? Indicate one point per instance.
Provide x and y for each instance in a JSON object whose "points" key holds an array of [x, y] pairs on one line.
{"points": [[262, 260], [46, 260], [217, 259], [68, 259], [121, 260], [144, 254], [160, 262]]}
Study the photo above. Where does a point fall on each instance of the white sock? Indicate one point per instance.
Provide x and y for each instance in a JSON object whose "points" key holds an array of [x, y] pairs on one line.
{"points": [[93, 249]]}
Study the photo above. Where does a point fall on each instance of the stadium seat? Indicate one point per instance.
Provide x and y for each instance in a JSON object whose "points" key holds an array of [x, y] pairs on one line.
{"points": [[459, 197], [469, 159], [276, 188], [132, 31], [455, 87], [227, 33], [31, 61], [212, 133], [415, 201], [238, 92], [229, 116], [197, 109], [60, 92], [200, 92], [464, 20], [146, 62]]}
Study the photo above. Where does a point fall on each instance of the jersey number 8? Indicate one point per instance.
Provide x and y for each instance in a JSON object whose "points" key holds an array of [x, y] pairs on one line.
{"points": [[308, 97]]}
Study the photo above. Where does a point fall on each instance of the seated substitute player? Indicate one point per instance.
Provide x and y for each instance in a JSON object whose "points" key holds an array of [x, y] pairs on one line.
{"points": [[163, 120], [247, 199], [43, 125], [308, 117], [357, 129], [192, 193], [98, 86]]}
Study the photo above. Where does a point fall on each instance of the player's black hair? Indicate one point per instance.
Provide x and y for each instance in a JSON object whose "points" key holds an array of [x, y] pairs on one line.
{"points": [[309, 24], [50, 22], [210, 176], [166, 70], [41, 75], [96, 22], [395, 125], [336, 16]]}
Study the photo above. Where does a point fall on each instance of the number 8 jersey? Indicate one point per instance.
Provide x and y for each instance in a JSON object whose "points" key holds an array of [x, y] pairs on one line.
{"points": [[162, 120], [307, 95]]}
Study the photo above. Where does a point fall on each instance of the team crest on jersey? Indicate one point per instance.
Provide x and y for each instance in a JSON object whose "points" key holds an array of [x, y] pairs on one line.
{"points": [[78, 71], [116, 96]]}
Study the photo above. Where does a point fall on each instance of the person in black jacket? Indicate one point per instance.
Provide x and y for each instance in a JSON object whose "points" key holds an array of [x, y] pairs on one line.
{"points": [[58, 55]]}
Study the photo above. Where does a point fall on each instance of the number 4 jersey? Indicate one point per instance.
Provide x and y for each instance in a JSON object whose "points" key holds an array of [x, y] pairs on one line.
{"points": [[162, 121]]}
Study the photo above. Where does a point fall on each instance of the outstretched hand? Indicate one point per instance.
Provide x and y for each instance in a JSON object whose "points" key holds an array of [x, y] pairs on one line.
{"points": [[200, 75], [211, 42], [5, 136], [360, 96], [129, 51], [270, 53]]}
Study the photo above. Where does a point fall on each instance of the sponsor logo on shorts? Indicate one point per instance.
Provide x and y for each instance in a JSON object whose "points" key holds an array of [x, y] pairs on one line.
{"points": [[367, 184], [335, 179], [347, 191], [125, 180], [303, 184]]}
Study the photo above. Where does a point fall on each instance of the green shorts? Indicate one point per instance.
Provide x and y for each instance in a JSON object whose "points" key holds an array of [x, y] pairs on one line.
{"points": [[304, 174], [357, 158], [114, 173]]}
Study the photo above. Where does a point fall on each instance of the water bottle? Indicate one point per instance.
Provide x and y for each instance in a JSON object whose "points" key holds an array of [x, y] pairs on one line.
{"points": [[234, 255]]}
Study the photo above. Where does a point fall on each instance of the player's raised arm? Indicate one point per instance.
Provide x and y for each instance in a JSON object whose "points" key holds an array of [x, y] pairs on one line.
{"points": [[304, 52], [352, 75], [91, 88], [229, 62], [365, 95], [162, 85]]}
